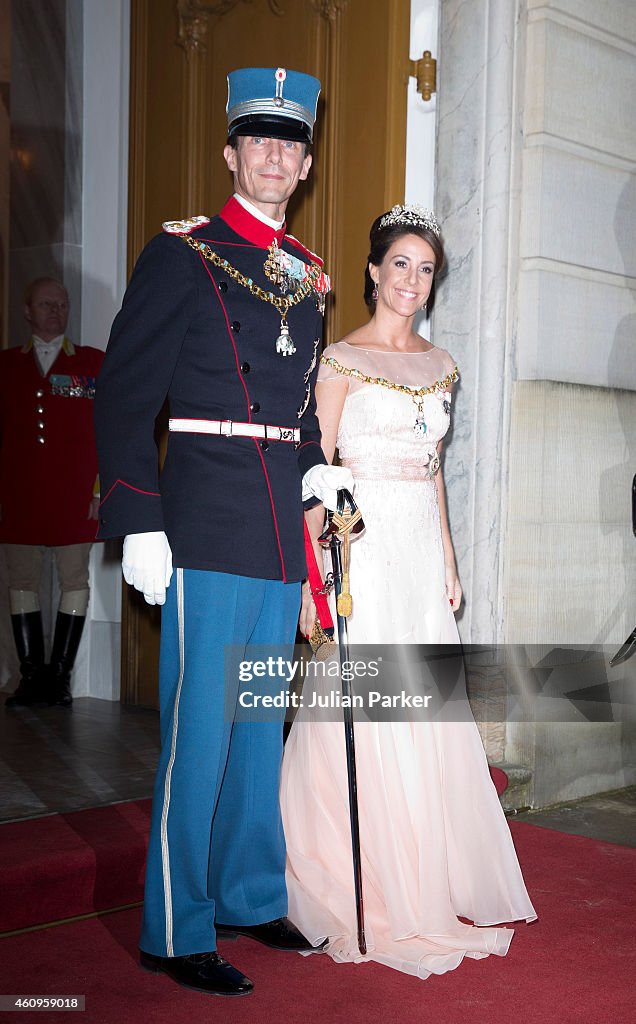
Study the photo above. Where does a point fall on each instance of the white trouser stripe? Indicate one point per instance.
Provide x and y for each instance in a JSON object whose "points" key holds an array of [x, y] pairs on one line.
{"points": [[165, 852]]}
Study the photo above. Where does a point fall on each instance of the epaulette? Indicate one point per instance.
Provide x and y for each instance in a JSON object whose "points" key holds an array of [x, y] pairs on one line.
{"points": [[307, 253], [184, 227]]}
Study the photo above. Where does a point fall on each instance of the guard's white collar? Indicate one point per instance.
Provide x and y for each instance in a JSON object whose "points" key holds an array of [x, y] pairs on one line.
{"points": [[52, 344], [255, 212]]}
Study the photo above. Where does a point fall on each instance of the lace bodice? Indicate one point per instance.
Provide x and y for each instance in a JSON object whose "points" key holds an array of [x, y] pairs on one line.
{"points": [[386, 433]]}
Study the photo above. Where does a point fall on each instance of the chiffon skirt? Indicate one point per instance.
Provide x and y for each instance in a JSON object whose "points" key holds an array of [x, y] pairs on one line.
{"points": [[436, 846]]}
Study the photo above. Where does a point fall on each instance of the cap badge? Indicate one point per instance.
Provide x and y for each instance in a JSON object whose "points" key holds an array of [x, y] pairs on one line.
{"points": [[280, 75]]}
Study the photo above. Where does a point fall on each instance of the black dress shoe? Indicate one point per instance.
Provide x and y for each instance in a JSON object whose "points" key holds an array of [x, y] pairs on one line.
{"points": [[204, 972], [278, 934], [24, 697]]}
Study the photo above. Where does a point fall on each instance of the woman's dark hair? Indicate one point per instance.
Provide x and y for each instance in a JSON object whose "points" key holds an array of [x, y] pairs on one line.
{"points": [[382, 239]]}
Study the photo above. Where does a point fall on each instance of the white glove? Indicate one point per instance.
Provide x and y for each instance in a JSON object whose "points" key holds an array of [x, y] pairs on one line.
{"points": [[147, 564], [324, 481]]}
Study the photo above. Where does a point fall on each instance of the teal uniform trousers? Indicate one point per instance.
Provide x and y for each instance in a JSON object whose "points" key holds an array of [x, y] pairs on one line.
{"points": [[217, 851]]}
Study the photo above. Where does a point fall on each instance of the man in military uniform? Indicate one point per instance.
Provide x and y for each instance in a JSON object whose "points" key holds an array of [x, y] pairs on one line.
{"points": [[223, 317], [48, 487]]}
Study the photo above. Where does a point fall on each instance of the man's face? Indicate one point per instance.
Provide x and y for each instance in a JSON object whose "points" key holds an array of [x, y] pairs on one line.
{"points": [[47, 311], [267, 171]]}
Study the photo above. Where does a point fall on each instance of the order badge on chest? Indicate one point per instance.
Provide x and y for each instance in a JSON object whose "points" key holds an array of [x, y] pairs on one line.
{"points": [[285, 271]]}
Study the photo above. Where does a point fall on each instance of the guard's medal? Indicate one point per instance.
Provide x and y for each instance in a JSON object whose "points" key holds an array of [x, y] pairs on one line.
{"points": [[278, 268]]}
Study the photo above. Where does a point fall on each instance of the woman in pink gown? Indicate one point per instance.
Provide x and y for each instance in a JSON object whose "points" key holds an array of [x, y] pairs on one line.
{"points": [[435, 843]]}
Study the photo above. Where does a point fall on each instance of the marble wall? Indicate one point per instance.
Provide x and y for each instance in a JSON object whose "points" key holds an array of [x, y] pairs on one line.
{"points": [[536, 190], [574, 322], [471, 320], [539, 228], [570, 567], [577, 260]]}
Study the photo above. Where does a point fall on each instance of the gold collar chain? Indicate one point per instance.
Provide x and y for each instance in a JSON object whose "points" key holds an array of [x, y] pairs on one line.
{"points": [[416, 394], [282, 303], [434, 389]]}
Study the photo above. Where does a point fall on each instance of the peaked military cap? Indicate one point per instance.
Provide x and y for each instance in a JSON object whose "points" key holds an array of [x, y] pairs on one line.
{"points": [[273, 102]]}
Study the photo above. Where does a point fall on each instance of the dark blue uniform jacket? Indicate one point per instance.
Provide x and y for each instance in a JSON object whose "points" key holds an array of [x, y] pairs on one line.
{"points": [[188, 331]]}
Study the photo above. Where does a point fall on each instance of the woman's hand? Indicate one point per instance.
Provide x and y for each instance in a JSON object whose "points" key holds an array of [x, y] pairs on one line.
{"points": [[453, 587], [307, 611]]}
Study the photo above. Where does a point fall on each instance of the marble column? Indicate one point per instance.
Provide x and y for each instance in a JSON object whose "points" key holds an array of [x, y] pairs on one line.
{"points": [[471, 319], [536, 193]]}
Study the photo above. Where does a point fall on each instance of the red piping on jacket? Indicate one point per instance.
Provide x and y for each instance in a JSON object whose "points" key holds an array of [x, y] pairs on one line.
{"points": [[271, 501], [152, 494]]}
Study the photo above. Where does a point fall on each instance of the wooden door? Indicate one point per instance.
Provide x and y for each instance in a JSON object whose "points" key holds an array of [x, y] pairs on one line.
{"points": [[181, 51]]}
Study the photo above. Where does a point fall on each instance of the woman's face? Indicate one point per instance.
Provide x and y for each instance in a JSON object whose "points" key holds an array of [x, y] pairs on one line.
{"points": [[405, 277]]}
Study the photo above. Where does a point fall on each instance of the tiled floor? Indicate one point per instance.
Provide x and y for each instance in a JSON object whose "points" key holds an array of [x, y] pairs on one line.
{"points": [[608, 816], [55, 760]]}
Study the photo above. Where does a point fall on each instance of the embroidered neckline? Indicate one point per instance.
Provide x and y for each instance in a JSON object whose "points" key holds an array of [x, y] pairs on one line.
{"points": [[417, 395], [439, 387]]}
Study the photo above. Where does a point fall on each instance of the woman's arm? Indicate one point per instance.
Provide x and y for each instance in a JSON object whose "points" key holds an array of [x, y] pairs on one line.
{"points": [[330, 400], [453, 586]]}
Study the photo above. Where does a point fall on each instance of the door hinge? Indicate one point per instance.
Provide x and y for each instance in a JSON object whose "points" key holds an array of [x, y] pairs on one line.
{"points": [[425, 71]]}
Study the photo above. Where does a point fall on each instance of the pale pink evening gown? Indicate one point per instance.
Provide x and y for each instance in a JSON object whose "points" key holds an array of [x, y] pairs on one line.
{"points": [[435, 842]]}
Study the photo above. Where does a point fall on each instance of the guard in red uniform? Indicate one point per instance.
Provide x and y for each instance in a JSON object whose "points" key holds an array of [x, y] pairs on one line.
{"points": [[48, 487]]}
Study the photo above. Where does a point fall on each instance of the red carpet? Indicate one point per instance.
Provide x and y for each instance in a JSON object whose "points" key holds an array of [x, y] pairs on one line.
{"points": [[66, 865], [500, 780], [573, 965]]}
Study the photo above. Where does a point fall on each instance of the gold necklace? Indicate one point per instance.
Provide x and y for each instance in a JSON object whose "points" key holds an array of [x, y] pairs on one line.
{"points": [[282, 303], [416, 394]]}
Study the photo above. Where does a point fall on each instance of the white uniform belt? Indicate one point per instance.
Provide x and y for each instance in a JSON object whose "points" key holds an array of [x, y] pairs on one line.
{"points": [[230, 428]]}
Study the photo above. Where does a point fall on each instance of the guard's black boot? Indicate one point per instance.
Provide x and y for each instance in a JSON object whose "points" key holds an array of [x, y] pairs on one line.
{"points": [[68, 633], [29, 643]]}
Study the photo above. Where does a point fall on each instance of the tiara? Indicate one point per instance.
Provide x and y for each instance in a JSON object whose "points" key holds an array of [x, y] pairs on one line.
{"points": [[415, 215]]}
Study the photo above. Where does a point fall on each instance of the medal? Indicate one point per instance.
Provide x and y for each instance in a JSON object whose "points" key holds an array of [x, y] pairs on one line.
{"points": [[283, 269], [273, 266], [284, 343], [277, 269], [420, 423]]}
